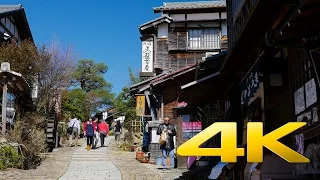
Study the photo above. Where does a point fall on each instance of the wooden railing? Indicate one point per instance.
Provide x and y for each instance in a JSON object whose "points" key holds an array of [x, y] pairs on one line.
{"points": [[180, 41], [173, 61]]}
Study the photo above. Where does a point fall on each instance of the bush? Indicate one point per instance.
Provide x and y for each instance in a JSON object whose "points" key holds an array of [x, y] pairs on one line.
{"points": [[29, 133], [10, 157]]}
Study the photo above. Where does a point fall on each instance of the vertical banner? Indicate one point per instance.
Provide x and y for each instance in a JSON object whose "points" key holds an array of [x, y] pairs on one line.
{"points": [[147, 56], [140, 105], [250, 85]]}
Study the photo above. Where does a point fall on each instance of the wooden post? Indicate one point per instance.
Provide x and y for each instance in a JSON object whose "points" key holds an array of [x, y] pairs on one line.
{"points": [[4, 105], [147, 93], [162, 108]]}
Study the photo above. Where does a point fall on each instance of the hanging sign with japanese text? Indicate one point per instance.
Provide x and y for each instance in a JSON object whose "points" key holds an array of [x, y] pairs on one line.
{"points": [[250, 85], [140, 105], [147, 56]]}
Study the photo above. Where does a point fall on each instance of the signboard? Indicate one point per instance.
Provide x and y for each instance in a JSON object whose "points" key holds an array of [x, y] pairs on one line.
{"points": [[190, 129], [250, 85], [311, 92], [147, 56], [299, 101], [140, 105], [35, 88]]}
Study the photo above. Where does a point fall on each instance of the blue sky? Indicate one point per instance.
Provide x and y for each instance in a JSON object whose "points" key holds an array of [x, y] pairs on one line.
{"points": [[105, 31]]}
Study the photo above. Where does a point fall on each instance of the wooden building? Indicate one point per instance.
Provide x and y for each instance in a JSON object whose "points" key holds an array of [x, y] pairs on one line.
{"points": [[14, 24], [271, 66], [186, 32]]}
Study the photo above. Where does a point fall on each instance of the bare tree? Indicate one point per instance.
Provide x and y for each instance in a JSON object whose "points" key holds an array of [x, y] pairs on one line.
{"points": [[56, 64]]}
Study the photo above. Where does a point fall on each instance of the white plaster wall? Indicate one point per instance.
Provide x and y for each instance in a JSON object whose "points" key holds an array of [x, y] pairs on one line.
{"points": [[223, 15], [203, 16], [176, 25], [203, 24], [224, 28], [163, 30], [104, 115], [177, 17]]}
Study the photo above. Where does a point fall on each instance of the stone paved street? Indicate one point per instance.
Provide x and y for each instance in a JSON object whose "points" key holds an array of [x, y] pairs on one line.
{"points": [[94, 164], [131, 169], [103, 163]]}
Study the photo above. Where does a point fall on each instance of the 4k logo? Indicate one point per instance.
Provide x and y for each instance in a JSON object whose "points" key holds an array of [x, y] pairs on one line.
{"points": [[255, 142]]}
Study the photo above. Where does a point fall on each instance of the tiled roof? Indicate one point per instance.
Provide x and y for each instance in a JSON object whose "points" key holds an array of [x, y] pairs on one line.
{"points": [[19, 18], [155, 20], [191, 5], [8, 8]]}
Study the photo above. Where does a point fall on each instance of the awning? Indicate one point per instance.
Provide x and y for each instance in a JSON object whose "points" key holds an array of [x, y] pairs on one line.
{"points": [[199, 81], [174, 74], [208, 88]]}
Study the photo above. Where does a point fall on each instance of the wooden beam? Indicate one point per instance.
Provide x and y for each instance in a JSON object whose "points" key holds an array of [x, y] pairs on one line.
{"points": [[7, 30], [147, 93]]}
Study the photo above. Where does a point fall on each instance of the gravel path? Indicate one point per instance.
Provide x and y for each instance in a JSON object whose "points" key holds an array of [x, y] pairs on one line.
{"points": [[131, 169]]}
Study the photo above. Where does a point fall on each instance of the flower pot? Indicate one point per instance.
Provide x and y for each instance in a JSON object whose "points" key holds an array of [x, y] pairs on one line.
{"points": [[144, 160], [139, 155]]}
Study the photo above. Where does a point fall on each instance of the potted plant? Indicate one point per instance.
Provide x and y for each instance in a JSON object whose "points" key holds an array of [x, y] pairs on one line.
{"points": [[139, 155]]}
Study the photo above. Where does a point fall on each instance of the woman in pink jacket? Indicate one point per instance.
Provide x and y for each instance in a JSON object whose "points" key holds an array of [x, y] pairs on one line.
{"points": [[104, 130]]}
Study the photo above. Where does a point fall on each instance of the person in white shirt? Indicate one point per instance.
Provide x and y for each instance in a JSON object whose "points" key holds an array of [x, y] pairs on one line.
{"points": [[74, 136]]}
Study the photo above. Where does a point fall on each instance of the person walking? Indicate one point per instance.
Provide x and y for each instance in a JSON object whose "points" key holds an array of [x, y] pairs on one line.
{"points": [[89, 133], [103, 130], [167, 148], [96, 133], [74, 131], [117, 132]]}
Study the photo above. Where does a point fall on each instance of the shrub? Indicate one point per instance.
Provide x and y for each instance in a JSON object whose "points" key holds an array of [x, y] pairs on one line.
{"points": [[29, 133], [10, 157]]}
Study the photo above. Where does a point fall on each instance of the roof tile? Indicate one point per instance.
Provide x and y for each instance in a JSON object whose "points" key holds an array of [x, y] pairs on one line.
{"points": [[8, 8], [191, 5]]}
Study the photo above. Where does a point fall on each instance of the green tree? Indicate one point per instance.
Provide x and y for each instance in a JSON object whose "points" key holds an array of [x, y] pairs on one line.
{"points": [[89, 75], [73, 103], [125, 103]]}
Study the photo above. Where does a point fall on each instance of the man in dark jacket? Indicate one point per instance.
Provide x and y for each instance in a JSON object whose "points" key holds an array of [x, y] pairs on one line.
{"points": [[168, 147]]}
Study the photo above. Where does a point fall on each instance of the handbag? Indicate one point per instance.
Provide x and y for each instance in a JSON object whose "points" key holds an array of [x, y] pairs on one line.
{"points": [[163, 138], [70, 129]]}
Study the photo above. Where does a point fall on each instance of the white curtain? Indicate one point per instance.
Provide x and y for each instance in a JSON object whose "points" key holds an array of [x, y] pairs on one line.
{"points": [[206, 38]]}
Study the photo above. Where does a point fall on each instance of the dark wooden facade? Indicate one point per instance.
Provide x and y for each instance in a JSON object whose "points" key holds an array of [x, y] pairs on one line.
{"points": [[174, 51], [280, 42]]}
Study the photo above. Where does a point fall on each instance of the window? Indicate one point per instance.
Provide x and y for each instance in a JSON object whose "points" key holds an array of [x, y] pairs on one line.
{"points": [[205, 38]]}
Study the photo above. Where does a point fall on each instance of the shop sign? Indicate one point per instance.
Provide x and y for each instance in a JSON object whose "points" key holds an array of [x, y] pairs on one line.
{"points": [[250, 85], [140, 105], [147, 56]]}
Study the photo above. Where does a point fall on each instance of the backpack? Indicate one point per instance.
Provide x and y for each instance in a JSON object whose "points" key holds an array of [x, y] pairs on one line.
{"points": [[89, 130], [117, 128]]}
